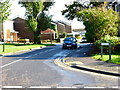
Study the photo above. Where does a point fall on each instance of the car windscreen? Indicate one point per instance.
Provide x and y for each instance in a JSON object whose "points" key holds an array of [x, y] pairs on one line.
{"points": [[67, 39]]}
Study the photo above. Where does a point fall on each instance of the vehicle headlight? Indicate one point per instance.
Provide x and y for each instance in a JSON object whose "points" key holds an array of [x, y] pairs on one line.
{"points": [[74, 43]]}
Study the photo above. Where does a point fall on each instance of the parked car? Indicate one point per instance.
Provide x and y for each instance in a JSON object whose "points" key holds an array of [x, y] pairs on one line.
{"points": [[84, 39], [69, 42]]}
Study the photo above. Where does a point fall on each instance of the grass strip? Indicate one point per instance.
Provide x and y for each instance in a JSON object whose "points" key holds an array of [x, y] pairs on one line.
{"points": [[11, 48], [115, 58]]}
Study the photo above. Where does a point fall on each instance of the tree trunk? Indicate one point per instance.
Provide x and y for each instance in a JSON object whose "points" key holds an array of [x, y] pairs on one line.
{"points": [[37, 37]]}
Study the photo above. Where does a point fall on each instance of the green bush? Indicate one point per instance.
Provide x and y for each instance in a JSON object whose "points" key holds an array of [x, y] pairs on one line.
{"points": [[99, 22], [115, 41]]}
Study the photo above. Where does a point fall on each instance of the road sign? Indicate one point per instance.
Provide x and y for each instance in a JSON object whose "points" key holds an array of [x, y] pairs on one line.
{"points": [[105, 44]]}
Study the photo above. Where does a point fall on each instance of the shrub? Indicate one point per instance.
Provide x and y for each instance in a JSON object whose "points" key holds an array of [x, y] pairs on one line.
{"points": [[99, 22], [115, 41]]}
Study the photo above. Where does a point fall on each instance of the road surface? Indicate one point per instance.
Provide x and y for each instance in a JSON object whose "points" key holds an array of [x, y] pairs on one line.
{"points": [[37, 68]]}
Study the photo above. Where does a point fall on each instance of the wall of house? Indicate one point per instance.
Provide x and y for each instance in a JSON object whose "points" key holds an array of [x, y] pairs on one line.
{"points": [[47, 36], [60, 28], [68, 29], [7, 26], [8, 34], [20, 25], [14, 36]]}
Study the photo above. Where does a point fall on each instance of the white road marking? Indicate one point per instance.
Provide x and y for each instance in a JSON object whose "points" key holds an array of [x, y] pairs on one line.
{"points": [[11, 63], [116, 87], [40, 87], [94, 87], [66, 87], [12, 87]]}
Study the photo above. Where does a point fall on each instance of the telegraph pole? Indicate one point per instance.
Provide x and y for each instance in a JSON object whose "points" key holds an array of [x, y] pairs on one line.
{"points": [[3, 37]]}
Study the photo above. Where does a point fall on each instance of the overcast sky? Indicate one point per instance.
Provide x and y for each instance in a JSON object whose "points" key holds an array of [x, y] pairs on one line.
{"points": [[55, 10]]}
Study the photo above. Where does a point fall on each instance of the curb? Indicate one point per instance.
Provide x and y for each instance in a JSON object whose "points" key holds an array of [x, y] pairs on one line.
{"points": [[91, 70], [96, 71]]}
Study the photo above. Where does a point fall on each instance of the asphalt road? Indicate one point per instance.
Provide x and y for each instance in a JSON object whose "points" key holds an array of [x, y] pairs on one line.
{"points": [[37, 68]]}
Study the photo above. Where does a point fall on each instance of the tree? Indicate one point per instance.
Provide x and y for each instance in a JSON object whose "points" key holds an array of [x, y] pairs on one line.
{"points": [[71, 10], [44, 21], [99, 22], [34, 13], [4, 9], [4, 13]]}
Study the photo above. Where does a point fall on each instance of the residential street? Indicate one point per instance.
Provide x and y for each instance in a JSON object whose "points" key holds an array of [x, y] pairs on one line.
{"points": [[37, 68]]}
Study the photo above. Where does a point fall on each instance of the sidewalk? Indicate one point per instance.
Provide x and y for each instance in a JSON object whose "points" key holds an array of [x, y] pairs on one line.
{"points": [[91, 64]]}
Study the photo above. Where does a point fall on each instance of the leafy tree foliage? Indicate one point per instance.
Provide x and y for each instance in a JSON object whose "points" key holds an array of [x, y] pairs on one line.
{"points": [[4, 9], [47, 5], [72, 9], [44, 21], [99, 22], [32, 8]]}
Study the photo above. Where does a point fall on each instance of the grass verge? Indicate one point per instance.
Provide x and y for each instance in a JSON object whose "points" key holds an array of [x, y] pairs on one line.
{"points": [[115, 58], [11, 48]]}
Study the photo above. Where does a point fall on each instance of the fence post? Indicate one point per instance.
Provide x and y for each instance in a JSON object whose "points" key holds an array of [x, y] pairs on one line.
{"points": [[101, 50], [109, 51]]}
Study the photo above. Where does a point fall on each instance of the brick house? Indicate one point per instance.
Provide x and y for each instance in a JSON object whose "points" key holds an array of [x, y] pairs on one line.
{"points": [[48, 34], [66, 27], [20, 25], [62, 28], [7, 32]]}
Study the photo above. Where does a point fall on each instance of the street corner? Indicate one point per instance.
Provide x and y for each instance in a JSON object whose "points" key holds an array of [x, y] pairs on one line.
{"points": [[70, 62], [60, 63], [67, 65]]}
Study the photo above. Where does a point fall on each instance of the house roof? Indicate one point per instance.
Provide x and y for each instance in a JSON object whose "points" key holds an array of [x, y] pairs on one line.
{"points": [[65, 23], [18, 17], [48, 31]]}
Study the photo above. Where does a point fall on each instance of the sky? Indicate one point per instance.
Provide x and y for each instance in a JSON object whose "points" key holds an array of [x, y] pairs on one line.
{"points": [[55, 10]]}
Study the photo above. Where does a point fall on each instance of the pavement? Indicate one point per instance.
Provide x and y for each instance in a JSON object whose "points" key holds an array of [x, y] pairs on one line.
{"points": [[92, 65], [88, 63]]}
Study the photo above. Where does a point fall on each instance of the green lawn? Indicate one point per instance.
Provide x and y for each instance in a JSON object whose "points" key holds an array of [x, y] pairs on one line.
{"points": [[115, 58], [10, 48]]}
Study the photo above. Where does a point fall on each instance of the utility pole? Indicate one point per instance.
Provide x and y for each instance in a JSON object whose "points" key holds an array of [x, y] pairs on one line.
{"points": [[50, 34], [3, 37], [119, 19]]}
